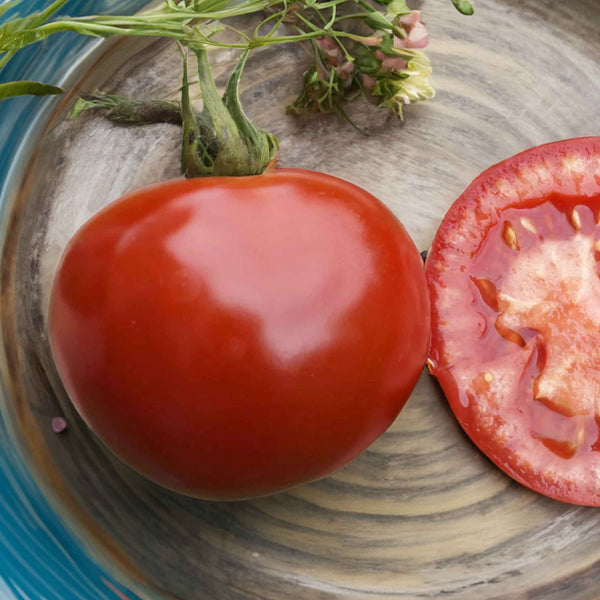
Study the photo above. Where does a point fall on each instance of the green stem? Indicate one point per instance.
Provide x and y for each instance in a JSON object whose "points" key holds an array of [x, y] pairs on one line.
{"points": [[299, 38], [90, 29], [331, 21], [353, 16], [278, 17], [186, 36], [52, 9], [231, 148], [129, 112], [309, 24], [237, 32], [5, 58], [326, 5], [262, 146], [198, 149]]}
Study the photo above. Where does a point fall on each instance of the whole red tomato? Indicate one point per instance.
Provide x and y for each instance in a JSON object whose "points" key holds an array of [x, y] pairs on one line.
{"points": [[232, 337]]}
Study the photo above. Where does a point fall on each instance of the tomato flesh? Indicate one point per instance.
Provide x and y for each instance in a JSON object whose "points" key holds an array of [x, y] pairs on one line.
{"points": [[232, 337], [514, 280]]}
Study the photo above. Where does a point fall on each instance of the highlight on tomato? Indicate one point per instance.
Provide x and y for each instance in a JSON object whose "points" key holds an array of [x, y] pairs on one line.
{"points": [[514, 281]]}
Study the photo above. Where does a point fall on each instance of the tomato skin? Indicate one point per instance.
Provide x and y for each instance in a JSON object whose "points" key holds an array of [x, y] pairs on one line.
{"points": [[232, 337], [513, 281]]}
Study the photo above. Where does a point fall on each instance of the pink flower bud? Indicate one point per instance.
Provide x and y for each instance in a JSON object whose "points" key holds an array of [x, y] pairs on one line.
{"points": [[411, 19], [331, 50], [326, 44], [368, 81], [372, 41], [345, 68], [390, 63], [399, 42], [418, 36]]}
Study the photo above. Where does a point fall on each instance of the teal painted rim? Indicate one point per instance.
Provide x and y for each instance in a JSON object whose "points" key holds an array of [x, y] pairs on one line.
{"points": [[40, 556]]}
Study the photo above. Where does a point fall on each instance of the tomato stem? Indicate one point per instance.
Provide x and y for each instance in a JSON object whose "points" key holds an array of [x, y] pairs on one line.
{"points": [[220, 140], [235, 146], [129, 112]]}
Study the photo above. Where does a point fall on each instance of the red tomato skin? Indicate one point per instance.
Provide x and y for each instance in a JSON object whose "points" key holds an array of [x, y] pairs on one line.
{"points": [[233, 337], [569, 169]]}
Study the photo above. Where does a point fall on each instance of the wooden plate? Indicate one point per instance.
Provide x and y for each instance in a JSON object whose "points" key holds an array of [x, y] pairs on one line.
{"points": [[421, 514]]}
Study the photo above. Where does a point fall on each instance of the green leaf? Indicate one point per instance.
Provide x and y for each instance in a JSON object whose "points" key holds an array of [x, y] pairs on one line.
{"points": [[377, 21], [398, 7], [9, 5], [19, 32], [52, 9], [27, 88], [464, 7], [387, 45]]}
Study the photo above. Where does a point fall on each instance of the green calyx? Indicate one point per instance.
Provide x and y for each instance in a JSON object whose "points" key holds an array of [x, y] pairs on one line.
{"points": [[222, 140]]}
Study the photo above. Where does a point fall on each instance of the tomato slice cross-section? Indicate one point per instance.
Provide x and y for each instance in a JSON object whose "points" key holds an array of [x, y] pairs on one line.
{"points": [[514, 279]]}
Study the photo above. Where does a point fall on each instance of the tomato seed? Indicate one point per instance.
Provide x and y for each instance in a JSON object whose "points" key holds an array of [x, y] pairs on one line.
{"points": [[576, 220], [488, 292], [507, 333], [527, 224], [580, 436], [510, 236], [564, 449]]}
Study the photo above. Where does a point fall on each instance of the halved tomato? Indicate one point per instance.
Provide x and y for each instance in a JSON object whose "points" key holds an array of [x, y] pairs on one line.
{"points": [[514, 280]]}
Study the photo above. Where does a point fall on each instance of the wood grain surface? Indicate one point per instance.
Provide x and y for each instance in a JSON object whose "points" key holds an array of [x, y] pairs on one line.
{"points": [[421, 514]]}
